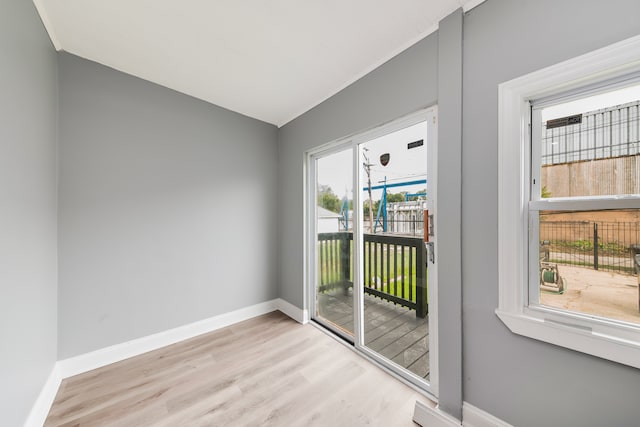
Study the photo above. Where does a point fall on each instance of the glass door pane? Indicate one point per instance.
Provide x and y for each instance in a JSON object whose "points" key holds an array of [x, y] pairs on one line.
{"points": [[394, 277], [334, 242]]}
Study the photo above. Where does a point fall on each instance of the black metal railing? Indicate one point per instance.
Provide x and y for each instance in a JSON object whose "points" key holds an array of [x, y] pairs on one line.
{"points": [[395, 267], [600, 245], [334, 257]]}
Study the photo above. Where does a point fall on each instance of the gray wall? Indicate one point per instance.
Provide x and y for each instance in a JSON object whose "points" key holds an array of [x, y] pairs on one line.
{"points": [[167, 208], [398, 87], [523, 381], [448, 215], [28, 271]]}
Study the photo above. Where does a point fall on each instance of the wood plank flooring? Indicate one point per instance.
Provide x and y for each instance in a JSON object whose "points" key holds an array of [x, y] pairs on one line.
{"points": [[267, 371], [390, 330]]}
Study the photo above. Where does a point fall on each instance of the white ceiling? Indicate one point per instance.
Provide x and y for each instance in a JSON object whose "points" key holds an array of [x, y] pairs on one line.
{"points": [[268, 59]]}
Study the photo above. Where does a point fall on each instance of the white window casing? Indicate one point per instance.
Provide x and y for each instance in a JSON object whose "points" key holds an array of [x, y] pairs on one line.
{"points": [[608, 339]]}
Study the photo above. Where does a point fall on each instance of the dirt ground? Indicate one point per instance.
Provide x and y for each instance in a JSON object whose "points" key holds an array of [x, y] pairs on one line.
{"points": [[601, 293]]}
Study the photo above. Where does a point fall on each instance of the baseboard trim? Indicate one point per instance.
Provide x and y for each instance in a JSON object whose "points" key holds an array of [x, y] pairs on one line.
{"points": [[428, 415], [115, 353], [105, 356], [297, 314], [476, 417], [42, 405]]}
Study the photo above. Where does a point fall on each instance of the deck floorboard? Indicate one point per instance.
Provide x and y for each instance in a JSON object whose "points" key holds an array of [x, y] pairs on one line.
{"points": [[393, 331]]}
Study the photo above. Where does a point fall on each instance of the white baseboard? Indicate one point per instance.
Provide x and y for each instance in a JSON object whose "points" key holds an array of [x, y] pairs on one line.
{"points": [[105, 356], [428, 415], [45, 399], [115, 353], [476, 417], [299, 315]]}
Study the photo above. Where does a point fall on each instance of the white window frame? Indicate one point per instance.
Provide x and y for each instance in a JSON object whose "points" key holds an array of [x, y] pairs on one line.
{"points": [[605, 338]]}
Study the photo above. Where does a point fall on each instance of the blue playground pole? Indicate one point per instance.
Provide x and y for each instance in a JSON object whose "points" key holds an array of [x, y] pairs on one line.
{"points": [[397, 184], [382, 208], [344, 212]]}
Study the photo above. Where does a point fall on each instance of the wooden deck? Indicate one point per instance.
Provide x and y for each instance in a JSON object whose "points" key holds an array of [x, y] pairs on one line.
{"points": [[391, 330]]}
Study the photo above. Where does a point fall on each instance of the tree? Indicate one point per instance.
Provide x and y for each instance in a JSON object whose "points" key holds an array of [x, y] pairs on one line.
{"points": [[397, 197], [327, 199], [545, 193], [421, 195]]}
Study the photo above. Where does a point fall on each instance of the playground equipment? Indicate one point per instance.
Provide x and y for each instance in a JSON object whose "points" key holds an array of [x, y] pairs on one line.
{"points": [[344, 215], [382, 208]]}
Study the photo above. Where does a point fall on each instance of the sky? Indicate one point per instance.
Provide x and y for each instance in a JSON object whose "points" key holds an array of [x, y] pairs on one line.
{"points": [[404, 164], [596, 102]]}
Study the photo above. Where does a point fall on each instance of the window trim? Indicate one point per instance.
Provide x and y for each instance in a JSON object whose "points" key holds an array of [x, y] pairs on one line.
{"points": [[589, 334]]}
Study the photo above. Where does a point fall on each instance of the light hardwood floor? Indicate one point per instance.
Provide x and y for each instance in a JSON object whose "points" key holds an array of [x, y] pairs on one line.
{"points": [[269, 370]]}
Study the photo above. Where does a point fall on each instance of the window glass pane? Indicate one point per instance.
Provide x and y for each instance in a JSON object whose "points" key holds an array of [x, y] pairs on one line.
{"points": [[394, 279], [591, 146], [589, 262], [334, 249]]}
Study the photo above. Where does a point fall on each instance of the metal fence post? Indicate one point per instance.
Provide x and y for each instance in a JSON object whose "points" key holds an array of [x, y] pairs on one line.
{"points": [[595, 245]]}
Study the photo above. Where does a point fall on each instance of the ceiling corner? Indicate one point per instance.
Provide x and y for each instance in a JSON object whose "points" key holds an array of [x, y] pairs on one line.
{"points": [[470, 4], [47, 24]]}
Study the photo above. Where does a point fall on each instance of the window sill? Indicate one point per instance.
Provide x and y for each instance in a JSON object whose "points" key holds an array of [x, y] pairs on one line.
{"points": [[567, 334]]}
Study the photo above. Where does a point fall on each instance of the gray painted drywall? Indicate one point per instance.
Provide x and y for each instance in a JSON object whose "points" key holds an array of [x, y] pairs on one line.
{"points": [[402, 85], [28, 270], [523, 381], [167, 208], [448, 218]]}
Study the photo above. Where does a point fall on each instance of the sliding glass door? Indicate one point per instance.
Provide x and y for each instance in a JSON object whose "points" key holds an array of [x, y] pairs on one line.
{"points": [[371, 203], [333, 223], [394, 279]]}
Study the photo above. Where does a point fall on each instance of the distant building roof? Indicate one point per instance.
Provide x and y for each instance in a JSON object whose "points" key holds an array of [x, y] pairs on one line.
{"points": [[326, 213]]}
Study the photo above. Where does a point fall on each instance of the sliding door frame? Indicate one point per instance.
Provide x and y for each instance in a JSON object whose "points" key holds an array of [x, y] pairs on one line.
{"points": [[354, 142]]}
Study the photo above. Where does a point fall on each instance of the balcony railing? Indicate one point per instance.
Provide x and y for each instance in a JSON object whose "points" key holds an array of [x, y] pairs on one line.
{"points": [[395, 267]]}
